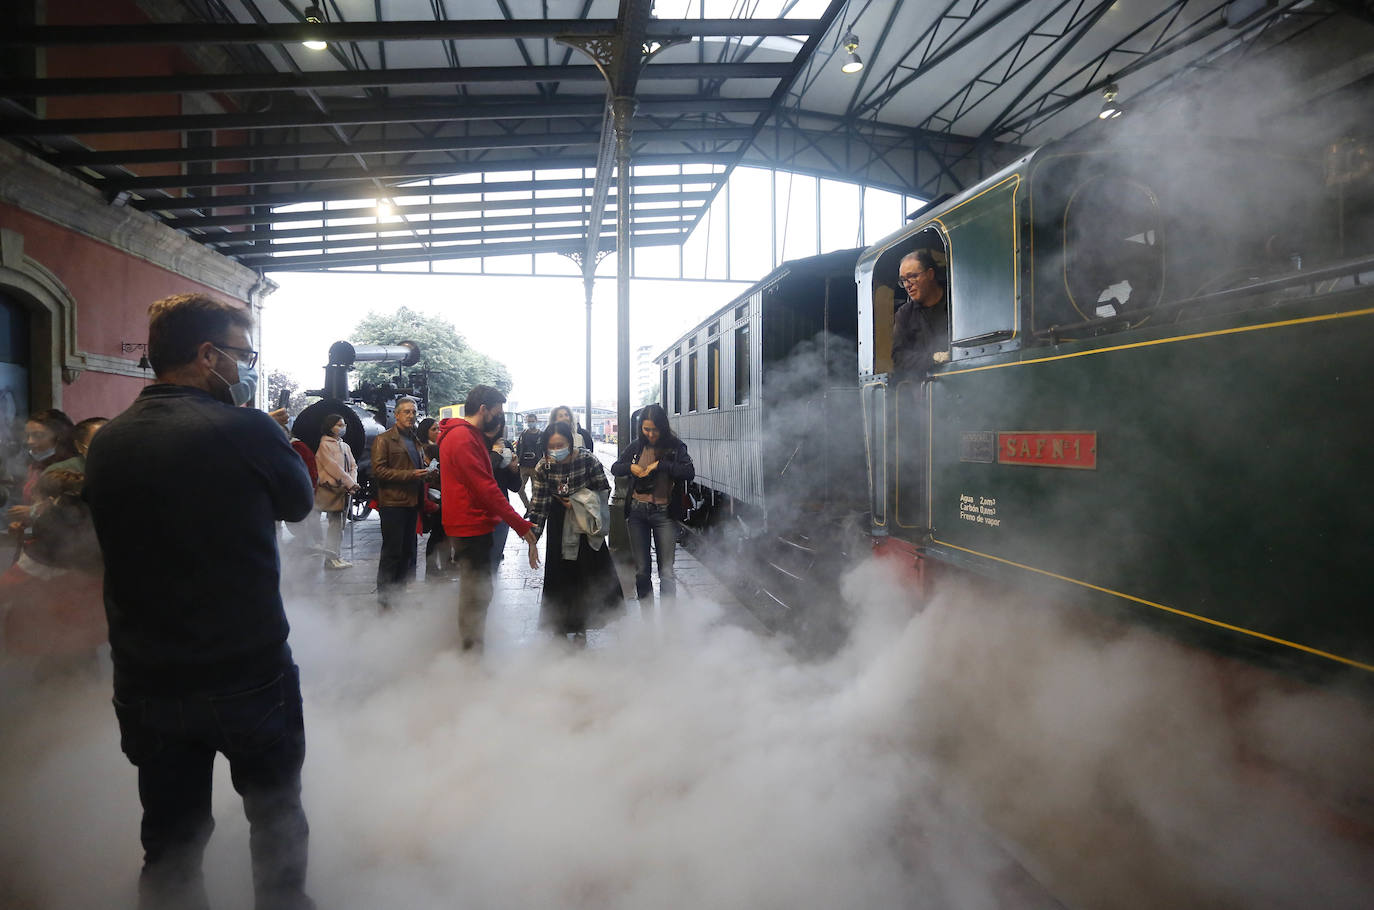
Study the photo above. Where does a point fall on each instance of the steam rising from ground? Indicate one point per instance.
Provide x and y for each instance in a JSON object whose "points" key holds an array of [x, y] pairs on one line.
{"points": [[691, 763]]}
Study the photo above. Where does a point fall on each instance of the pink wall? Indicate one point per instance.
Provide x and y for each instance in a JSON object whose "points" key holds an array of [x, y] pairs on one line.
{"points": [[112, 291]]}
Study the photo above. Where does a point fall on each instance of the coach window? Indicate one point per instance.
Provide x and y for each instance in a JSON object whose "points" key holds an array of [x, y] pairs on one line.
{"points": [[742, 363], [692, 381], [663, 386], [677, 386], [713, 375]]}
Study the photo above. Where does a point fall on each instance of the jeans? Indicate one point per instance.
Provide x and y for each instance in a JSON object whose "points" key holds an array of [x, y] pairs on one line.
{"points": [[396, 564], [172, 740], [499, 534], [473, 557], [646, 519]]}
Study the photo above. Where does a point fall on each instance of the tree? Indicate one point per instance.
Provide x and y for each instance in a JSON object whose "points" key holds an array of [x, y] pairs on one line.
{"points": [[454, 366], [277, 380], [650, 396]]}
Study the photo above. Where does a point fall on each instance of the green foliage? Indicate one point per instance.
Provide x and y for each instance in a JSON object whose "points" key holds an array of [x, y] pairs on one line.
{"points": [[277, 380], [650, 396], [454, 366]]}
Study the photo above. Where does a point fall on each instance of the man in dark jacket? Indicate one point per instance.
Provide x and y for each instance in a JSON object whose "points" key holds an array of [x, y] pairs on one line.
{"points": [[528, 450], [185, 489], [473, 505], [920, 330], [399, 468]]}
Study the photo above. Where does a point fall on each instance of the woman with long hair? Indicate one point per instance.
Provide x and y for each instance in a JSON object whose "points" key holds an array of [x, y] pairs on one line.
{"points": [[438, 555], [338, 473], [570, 497], [658, 466], [507, 474], [582, 437]]}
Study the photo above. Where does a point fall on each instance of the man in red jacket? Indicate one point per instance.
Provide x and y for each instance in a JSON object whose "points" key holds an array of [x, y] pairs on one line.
{"points": [[473, 505]]}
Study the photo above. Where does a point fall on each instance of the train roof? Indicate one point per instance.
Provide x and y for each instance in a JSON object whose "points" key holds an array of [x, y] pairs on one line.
{"points": [[824, 262]]}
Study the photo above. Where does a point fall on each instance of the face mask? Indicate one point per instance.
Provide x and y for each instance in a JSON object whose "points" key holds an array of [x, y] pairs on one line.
{"points": [[42, 455], [241, 392], [559, 454], [339, 430]]}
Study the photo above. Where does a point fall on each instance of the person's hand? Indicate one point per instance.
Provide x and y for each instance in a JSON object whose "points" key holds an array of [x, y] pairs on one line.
{"points": [[567, 503], [419, 473], [637, 471], [18, 513], [279, 415], [355, 488], [650, 469], [533, 541]]}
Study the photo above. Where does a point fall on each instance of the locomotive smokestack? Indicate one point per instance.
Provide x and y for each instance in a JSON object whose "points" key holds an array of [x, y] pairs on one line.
{"points": [[344, 354]]}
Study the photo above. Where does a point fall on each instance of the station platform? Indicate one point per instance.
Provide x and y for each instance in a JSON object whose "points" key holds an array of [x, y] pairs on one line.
{"points": [[513, 618]]}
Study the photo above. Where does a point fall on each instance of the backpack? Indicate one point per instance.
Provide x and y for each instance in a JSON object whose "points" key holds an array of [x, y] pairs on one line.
{"points": [[528, 448]]}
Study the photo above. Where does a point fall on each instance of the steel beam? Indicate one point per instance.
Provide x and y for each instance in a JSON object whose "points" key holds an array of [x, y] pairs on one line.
{"points": [[515, 108], [367, 191], [468, 143], [434, 232], [275, 82], [187, 33], [452, 208], [414, 171], [440, 254]]}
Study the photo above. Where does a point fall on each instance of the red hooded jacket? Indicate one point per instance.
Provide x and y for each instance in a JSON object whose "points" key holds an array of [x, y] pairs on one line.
{"points": [[473, 503]]}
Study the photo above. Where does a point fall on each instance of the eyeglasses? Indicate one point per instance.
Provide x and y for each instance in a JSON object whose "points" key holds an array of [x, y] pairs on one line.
{"points": [[908, 280], [248, 360]]}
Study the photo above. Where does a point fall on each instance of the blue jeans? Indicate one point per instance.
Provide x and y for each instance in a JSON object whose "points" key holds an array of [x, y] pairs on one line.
{"points": [[172, 740], [646, 519], [498, 544]]}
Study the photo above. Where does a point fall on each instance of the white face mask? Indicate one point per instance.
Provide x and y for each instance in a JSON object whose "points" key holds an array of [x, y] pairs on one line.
{"points": [[338, 430], [559, 454]]}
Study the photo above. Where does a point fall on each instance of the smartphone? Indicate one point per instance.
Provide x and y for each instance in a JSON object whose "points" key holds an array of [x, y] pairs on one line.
{"points": [[283, 398]]}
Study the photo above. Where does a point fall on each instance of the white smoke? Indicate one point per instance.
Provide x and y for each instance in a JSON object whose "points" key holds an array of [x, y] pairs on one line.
{"points": [[690, 763]]}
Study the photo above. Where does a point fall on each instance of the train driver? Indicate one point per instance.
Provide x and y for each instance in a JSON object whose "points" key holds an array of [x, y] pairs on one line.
{"points": [[920, 331]]}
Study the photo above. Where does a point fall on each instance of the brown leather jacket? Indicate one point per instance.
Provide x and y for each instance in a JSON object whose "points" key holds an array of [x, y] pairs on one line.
{"points": [[393, 468]]}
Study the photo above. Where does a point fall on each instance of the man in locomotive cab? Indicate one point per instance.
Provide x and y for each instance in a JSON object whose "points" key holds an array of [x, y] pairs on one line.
{"points": [[920, 330]]}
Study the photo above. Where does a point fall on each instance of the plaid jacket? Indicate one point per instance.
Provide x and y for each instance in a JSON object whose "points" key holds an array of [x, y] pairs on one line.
{"points": [[582, 469]]}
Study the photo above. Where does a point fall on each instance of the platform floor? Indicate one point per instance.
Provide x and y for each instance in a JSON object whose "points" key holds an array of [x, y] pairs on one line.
{"points": [[513, 618]]}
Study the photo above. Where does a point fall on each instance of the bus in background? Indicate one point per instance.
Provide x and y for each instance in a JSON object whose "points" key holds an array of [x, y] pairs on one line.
{"points": [[451, 410]]}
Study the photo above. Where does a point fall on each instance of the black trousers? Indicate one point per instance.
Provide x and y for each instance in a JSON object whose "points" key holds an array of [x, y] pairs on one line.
{"points": [[258, 726], [396, 564]]}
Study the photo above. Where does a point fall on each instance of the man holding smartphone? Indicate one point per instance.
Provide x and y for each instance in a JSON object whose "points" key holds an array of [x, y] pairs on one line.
{"points": [[400, 470]]}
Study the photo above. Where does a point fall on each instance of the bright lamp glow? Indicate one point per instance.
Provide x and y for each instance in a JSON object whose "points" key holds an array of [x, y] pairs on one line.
{"points": [[1111, 108], [854, 63], [314, 15]]}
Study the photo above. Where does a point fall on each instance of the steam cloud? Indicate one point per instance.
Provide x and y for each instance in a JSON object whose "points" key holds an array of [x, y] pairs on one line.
{"points": [[693, 764]]}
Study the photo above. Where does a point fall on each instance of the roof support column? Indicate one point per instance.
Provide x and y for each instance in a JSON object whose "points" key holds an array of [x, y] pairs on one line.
{"points": [[623, 109]]}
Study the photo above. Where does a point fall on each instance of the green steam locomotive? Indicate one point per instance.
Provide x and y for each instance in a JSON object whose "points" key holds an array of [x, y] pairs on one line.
{"points": [[1154, 395]]}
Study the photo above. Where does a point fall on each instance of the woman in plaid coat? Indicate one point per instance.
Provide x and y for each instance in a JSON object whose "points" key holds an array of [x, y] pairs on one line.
{"points": [[580, 590]]}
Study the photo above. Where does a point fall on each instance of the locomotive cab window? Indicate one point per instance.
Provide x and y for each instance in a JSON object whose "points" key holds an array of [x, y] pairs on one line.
{"points": [[920, 321], [1114, 249]]}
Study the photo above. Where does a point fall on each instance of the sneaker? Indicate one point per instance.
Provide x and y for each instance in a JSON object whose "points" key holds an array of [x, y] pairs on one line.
{"points": [[335, 562]]}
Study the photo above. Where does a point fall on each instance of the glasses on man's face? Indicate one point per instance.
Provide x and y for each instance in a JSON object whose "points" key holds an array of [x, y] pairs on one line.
{"points": [[248, 358], [908, 280]]}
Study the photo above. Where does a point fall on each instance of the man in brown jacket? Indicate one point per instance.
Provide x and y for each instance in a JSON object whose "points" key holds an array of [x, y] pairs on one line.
{"points": [[399, 469]]}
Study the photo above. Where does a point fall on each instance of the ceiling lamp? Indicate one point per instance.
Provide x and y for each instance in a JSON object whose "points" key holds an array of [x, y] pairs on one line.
{"points": [[855, 62], [1111, 108], [314, 16]]}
